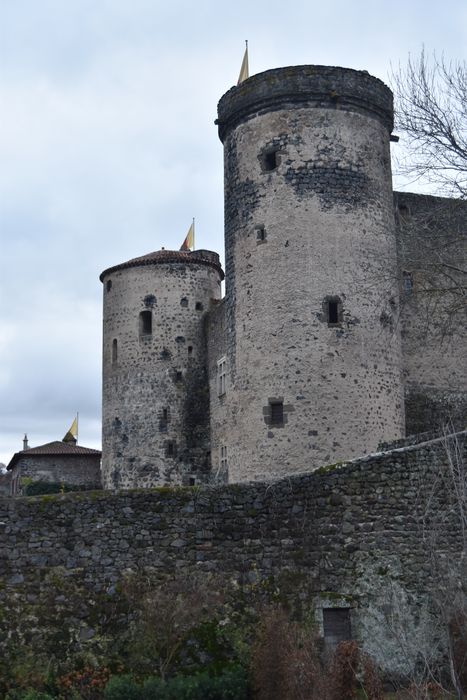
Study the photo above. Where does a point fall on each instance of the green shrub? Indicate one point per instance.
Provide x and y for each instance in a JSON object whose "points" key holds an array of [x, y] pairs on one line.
{"points": [[44, 488], [230, 685], [154, 689], [122, 688]]}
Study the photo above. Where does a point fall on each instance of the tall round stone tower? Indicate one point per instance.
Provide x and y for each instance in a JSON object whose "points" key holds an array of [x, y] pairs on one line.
{"points": [[155, 421], [313, 358]]}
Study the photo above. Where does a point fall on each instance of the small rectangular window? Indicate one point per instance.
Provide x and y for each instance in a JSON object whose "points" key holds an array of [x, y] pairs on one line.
{"points": [[221, 373], [223, 458], [145, 323], [333, 312], [277, 412], [170, 448], [260, 233], [336, 623], [407, 280]]}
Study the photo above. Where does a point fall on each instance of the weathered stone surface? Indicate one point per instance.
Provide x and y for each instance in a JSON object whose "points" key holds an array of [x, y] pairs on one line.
{"points": [[347, 536], [155, 401]]}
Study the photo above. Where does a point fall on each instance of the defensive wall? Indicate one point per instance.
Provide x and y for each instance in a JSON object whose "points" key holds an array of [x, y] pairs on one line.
{"points": [[353, 536]]}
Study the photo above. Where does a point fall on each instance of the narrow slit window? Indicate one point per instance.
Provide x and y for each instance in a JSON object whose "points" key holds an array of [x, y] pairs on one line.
{"points": [[108, 286], [332, 307], [223, 458], [170, 448], [145, 323], [407, 280], [277, 412], [190, 350], [114, 351], [333, 312], [221, 374]]}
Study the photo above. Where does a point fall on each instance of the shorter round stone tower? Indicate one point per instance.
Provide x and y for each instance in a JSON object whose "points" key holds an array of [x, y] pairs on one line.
{"points": [[155, 423]]}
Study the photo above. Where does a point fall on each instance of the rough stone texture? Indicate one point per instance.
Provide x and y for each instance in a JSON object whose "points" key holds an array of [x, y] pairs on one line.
{"points": [[326, 211], [155, 392], [352, 535], [5, 484], [309, 222], [315, 86], [76, 470], [431, 235]]}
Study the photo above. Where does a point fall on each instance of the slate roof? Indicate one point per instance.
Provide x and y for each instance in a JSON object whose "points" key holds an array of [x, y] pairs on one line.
{"points": [[58, 447]]}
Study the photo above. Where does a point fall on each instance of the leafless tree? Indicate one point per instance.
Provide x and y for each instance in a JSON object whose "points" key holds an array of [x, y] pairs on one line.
{"points": [[431, 117], [431, 111], [444, 530]]}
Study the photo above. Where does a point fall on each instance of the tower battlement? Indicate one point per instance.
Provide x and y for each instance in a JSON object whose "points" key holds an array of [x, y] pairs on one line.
{"points": [[312, 86]]}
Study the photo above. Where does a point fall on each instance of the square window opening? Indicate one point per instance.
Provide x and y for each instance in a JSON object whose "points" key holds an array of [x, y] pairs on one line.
{"points": [[270, 159], [277, 412]]}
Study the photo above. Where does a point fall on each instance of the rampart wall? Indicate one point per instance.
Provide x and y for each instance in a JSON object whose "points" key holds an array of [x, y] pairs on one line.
{"points": [[344, 533]]}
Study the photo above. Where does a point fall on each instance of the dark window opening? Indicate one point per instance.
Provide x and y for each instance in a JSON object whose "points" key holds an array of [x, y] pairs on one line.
{"points": [[198, 306], [407, 281], [178, 375], [114, 351], [184, 301], [163, 420], [260, 233], [336, 624], [190, 349], [332, 307], [192, 481], [270, 159], [277, 412], [170, 448], [108, 286], [333, 312], [145, 323]]}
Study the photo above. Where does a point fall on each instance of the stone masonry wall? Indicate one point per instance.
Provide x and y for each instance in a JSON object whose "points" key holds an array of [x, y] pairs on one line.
{"points": [[347, 534], [309, 219], [155, 422], [79, 470], [432, 251]]}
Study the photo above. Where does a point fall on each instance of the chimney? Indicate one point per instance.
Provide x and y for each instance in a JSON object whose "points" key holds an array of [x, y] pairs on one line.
{"points": [[25, 442]]}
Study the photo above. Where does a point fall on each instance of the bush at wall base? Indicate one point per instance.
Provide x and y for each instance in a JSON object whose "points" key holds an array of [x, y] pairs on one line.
{"points": [[231, 685]]}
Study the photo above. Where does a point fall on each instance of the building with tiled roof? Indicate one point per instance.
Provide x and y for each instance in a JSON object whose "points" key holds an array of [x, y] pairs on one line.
{"points": [[59, 462]]}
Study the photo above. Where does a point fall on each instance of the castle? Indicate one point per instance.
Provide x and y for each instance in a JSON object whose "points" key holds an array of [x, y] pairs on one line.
{"points": [[320, 349], [337, 333]]}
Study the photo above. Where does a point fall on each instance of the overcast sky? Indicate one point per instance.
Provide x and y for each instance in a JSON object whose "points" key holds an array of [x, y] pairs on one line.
{"points": [[108, 149]]}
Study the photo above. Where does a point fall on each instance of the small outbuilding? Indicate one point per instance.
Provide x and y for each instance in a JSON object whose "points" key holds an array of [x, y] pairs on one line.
{"points": [[62, 463]]}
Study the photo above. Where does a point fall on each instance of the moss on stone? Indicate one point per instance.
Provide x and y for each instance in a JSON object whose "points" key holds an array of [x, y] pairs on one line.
{"points": [[328, 468]]}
